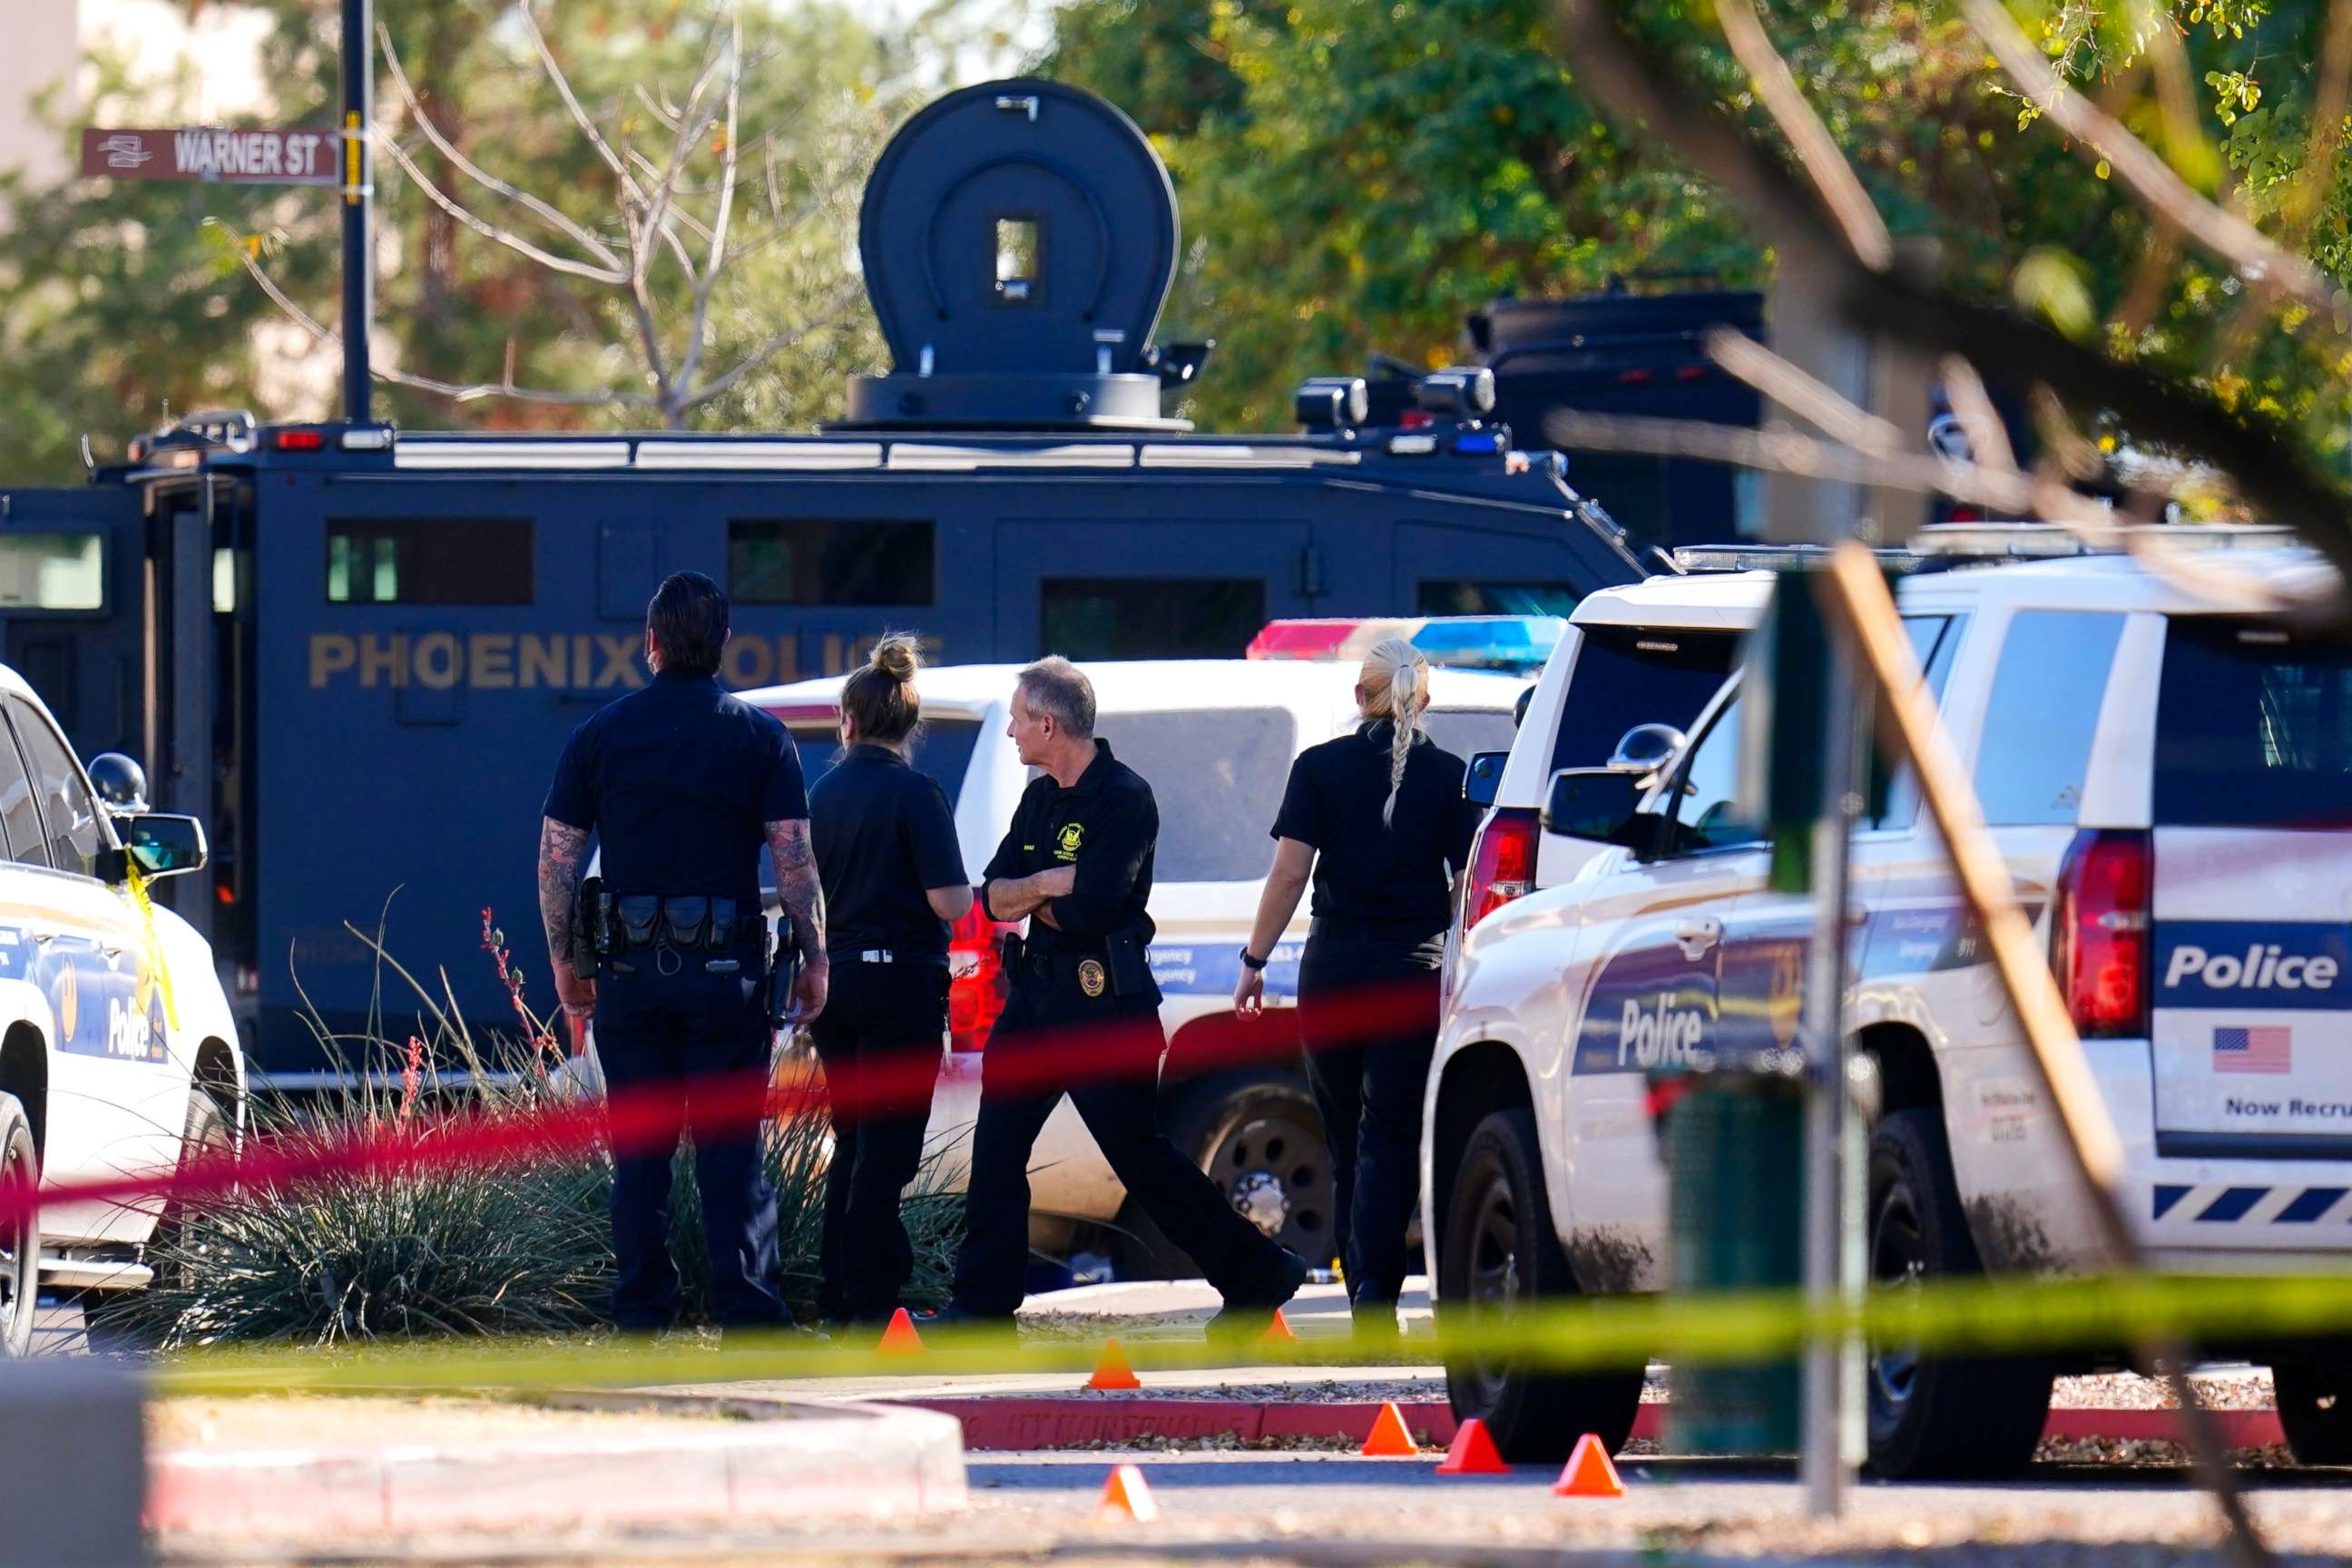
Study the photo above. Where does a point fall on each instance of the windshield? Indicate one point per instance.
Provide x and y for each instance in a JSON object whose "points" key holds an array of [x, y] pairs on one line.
{"points": [[1466, 731], [2253, 727], [1218, 776], [1626, 676]]}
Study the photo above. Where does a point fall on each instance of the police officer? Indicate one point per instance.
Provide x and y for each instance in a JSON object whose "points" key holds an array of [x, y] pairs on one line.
{"points": [[683, 785], [1084, 1013], [894, 879], [1379, 819]]}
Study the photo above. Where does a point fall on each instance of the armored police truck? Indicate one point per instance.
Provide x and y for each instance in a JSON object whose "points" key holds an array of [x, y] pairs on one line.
{"points": [[356, 650]]}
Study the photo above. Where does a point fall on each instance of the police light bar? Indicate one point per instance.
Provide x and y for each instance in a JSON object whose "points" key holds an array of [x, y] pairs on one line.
{"points": [[1461, 642]]}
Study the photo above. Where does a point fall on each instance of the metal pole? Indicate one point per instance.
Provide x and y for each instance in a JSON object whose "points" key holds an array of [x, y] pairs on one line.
{"points": [[1824, 1458], [358, 261]]}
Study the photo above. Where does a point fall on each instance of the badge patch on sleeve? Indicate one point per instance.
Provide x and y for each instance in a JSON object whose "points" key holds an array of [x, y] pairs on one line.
{"points": [[1090, 977], [1066, 842]]}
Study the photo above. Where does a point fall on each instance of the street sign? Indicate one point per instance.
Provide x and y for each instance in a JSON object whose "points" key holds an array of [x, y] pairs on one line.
{"points": [[230, 157]]}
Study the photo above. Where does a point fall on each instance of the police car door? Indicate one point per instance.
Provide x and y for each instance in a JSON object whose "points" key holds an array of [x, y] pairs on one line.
{"points": [[2251, 807], [1652, 958], [118, 1101]]}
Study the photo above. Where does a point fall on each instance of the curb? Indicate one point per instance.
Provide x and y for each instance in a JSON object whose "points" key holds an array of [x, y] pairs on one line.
{"points": [[1011, 1422], [801, 1461]]}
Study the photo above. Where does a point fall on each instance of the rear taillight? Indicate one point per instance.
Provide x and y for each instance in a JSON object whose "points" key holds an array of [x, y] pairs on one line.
{"points": [[1502, 863], [976, 981], [2099, 931]]}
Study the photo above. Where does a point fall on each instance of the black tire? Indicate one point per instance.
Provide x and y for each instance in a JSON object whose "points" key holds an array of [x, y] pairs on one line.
{"points": [[20, 1239], [1957, 1418], [114, 1320], [1498, 1246], [2315, 1405], [1258, 1137]]}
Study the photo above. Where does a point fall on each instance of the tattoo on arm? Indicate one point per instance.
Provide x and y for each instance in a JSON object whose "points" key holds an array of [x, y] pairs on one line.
{"points": [[563, 848], [796, 883]]}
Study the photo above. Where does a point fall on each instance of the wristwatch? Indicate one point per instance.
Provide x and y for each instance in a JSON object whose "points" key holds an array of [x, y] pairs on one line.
{"points": [[1249, 962]]}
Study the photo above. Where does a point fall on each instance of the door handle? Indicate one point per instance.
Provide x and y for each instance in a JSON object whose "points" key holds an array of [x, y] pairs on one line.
{"points": [[111, 949], [1697, 937], [44, 933]]}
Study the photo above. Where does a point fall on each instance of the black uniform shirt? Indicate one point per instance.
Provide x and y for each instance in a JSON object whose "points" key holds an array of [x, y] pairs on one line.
{"points": [[883, 835], [1365, 869], [1106, 824], [678, 780]]}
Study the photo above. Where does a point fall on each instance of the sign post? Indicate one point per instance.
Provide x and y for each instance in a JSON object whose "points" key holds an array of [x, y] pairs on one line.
{"points": [[335, 157]]}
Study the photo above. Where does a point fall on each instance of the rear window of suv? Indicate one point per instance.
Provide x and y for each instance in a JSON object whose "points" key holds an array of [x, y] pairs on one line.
{"points": [[1626, 676], [2253, 727], [1218, 775], [942, 750]]}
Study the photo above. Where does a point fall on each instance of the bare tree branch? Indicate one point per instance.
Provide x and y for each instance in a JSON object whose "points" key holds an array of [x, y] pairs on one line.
{"points": [[580, 116], [1818, 404], [1817, 151], [728, 157], [719, 386], [467, 167], [1972, 406], [485, 227], [2264, 265]]}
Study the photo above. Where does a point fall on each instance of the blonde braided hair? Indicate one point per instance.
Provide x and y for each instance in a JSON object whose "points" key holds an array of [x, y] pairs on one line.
{"points": [[1395, 681]]}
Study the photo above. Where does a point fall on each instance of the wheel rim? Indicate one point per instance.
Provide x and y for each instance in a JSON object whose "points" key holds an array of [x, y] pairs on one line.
{"points": [[1898, 1261], [1492, 1284], [1273, 1168], [19, 1243]]}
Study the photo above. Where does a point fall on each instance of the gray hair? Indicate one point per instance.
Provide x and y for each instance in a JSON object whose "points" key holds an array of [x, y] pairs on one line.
{"points": [[1059, 690]]}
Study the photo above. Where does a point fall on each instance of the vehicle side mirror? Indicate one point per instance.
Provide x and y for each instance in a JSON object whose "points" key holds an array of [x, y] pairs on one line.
{"points": [[159, 844], [1483, 777], [1595, 803]]}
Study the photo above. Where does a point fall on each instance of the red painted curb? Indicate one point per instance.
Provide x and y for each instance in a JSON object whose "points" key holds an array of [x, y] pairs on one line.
{"points": [[1055, 1422]]}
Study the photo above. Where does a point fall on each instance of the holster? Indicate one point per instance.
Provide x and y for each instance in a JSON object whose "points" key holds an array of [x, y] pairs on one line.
{"points": [[783, 972], [1013, 950], [687, 924], [1131, 975], [591, 936]]}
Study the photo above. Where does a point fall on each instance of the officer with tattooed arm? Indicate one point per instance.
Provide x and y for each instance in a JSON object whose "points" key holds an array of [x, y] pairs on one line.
{"points": [[682, 785], [1077, 863]]}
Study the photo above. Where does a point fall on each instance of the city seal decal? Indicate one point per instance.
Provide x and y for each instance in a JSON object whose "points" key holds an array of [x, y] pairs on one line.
{"points": [[1090, 977]]}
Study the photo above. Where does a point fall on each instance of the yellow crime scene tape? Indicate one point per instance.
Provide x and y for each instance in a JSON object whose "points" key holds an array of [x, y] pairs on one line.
{"points": [[1989, 1316]]}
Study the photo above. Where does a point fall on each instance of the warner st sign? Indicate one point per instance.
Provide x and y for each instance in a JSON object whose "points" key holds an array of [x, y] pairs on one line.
{"points": [[231, 157]]}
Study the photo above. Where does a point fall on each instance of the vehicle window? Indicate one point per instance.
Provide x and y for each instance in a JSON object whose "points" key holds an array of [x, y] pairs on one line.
{"points": [[1466, 731], [2253, 727], [1933, 640], [1467, 598], [1707, 815], [1141, 617], [2046, 693], [68, 808], [18, 815], [1218, 776], [428, 561], [827, 561], [52, 572], [1626, 676]]}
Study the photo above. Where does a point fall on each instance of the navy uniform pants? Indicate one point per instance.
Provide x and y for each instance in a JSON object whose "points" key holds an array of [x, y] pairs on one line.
{"points": [[656, 1034], [878, 1038], [1106, 1052], [1367, 1019]]}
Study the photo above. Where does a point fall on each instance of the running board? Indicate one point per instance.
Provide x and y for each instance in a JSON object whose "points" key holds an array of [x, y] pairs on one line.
{"points": [[94, 1273]]}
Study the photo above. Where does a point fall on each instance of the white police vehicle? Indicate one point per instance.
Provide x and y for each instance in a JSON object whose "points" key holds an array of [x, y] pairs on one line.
{"points": [[2171, 784], [1215, 738], [117, 1048]]}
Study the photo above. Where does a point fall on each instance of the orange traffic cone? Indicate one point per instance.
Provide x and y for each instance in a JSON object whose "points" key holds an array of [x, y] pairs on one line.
{"points": [[1589, 1472], [1472, 1453], [1390, 1440], [901, 1338], [1127, 1493], [1112, 1371], [1278, 1331]]}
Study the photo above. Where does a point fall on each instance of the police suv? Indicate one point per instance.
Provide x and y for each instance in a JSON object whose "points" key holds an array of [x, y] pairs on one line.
{"points": [[1216, 739], [117, 1050], [2171, 784]]}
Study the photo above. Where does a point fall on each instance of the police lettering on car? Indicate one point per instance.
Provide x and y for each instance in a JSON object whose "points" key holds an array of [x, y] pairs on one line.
{"points": [[1077, 862], [1379, 816], [683, 785], [894, 879]]}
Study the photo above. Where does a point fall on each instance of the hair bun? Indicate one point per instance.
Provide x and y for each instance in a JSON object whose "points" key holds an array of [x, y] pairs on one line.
{"points": [[898, 656]]}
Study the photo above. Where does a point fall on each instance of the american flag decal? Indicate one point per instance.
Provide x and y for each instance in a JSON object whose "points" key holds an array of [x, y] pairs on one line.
{"points": [[2252, 1050]]}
